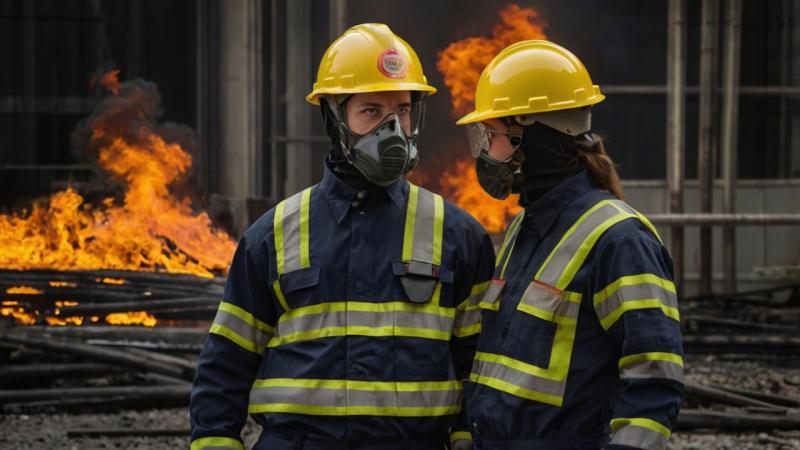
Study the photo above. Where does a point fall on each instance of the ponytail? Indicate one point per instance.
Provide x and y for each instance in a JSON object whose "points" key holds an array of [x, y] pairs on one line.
{"points": [[602, 170]]}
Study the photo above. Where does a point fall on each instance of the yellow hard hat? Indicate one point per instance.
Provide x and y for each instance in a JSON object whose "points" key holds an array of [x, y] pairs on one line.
{"points": [[369, 58], [532, 77]]}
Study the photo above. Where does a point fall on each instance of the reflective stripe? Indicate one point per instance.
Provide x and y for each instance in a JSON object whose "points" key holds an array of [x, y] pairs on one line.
{"points": [[460, 436], [643, 291], [363, 319], [517, 378], [350, 397], [652, 365], [216, 443], [546, 303], [639, 433], [508, 239], [574, 247], [468, 314], [291, 228], [241, 327], [422, 240]]}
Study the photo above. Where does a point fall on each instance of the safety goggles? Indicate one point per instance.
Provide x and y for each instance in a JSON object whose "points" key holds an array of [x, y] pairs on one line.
{"points": [[480, 137]]}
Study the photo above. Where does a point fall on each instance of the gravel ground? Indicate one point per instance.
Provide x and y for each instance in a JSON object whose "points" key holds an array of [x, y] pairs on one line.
{"points": [[49, 431]]}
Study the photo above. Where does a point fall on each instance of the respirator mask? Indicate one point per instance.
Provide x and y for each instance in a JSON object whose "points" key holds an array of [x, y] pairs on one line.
{"points": [[386, 153]]}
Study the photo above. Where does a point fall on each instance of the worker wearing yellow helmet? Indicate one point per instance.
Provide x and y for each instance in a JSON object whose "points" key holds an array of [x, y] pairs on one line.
{"points": [[580, 345], [349, 317]]}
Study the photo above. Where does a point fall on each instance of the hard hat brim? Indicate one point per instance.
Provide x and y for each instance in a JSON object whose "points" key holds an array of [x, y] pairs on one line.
{"points": [[313, 97], [479, 116]]}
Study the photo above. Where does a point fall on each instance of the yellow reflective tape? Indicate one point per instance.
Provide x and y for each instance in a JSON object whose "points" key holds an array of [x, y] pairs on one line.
{"points": [[631, 280], [650, 226], [650, 424], [438, 229], [650, 356], [305, 202], [545, 315], [460, 436], [489, 305], [383, 307], [358, 385], [233, 336], [585, 248], [650, 303], [392, 411], [569, 233], [477, 291], [507, 237], [359, 330], [199, 444], [246, 317], [277, 225], [469, 330], [530, 369], [574, 297], [512, 389], [411, 216], [276, 286], [437, 294]]}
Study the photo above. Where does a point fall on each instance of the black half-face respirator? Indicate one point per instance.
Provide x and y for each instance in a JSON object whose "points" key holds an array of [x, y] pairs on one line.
{"points": [[386, 153], [498, 178], [501, 178]]}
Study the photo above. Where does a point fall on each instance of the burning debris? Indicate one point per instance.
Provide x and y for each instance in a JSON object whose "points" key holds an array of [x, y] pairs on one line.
{"points": [[150, 228]]}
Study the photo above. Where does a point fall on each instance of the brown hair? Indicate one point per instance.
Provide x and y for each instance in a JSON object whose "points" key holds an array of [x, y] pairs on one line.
{"points": [[602, 170]]}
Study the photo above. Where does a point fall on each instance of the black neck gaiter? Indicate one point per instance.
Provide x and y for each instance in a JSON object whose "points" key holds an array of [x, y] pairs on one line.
{"points": [[550, 158]]}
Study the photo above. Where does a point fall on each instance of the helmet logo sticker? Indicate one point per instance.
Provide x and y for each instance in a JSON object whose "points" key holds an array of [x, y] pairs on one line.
{"points": [[392, 64]]}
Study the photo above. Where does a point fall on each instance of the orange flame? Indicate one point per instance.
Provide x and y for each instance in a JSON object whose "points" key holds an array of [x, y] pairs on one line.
{"points": [[461, 64], [25, 290], [110, 81], [132, 318], [150, 228]]}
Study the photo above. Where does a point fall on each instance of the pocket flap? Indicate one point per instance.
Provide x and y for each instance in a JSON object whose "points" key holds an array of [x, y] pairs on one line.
{"points": [[492, 296], [445, 275], [541, 300], [299, 279]]}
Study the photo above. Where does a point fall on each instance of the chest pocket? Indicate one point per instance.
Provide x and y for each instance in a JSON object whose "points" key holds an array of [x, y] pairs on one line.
{"points": [[296, 288], [542, 328]]}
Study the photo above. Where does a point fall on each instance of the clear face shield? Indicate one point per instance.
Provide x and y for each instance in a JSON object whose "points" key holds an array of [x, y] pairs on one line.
{"points": [[480, 137]]}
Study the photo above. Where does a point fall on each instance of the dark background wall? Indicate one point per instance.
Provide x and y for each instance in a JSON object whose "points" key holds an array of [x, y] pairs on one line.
{"points": [[50, 49]]}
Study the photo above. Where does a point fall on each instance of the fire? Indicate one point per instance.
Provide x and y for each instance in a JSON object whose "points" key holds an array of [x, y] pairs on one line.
{"points": [[63, 284], [150, 228], [25, 290], [461, 64], [132, 318]]}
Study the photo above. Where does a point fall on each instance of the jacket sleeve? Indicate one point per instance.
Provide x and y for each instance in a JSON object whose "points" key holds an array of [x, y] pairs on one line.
{"points": [[470, 287], [232, 355], [636, 303]]}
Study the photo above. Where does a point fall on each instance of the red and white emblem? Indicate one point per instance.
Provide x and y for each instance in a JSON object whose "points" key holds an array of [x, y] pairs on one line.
{"points": [[392, 64]]}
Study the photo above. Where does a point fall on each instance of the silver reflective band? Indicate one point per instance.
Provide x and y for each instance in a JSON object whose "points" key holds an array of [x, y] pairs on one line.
{"points": [[639, 437], [667, 370], [424, 227], [548, 300], [518, 378], [371, 319], [352, 397], [568, 248], [644, 291]]}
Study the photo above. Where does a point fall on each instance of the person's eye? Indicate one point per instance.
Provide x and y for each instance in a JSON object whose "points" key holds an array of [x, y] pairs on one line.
{"points": [[403, 110], [370, 111]]}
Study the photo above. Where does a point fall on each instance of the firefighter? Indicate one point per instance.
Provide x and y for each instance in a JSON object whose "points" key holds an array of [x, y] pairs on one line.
{"points": [[580, 344], [350, 312]]}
